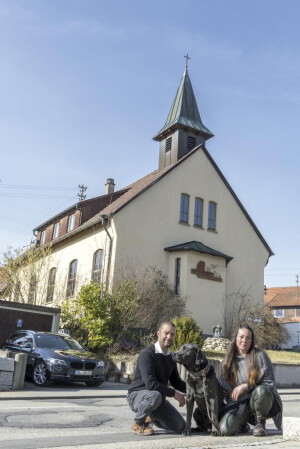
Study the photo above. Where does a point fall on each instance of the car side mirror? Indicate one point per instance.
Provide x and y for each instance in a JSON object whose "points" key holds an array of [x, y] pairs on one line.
{"points": [[28, 345]]}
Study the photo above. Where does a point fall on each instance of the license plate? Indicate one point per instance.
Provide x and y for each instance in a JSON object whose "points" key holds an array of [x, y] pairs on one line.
{"points": [[82, 373]]}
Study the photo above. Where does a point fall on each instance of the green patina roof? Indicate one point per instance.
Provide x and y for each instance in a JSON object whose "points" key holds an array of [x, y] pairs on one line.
{"points": [[200, 248], [184, 111]]}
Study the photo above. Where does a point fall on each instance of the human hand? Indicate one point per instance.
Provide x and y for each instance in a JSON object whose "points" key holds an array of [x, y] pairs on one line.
{"points": [[238, 391], [180, 398]]}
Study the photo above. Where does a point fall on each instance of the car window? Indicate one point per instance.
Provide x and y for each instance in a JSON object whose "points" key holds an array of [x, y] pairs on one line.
{"points": [[17, 338], [27, 339], [56, 342]]}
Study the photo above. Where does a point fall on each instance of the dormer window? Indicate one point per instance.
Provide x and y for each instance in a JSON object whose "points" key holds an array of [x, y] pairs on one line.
{"points": [[56, 230], [43, 237], [168, 144], [71, 222]]}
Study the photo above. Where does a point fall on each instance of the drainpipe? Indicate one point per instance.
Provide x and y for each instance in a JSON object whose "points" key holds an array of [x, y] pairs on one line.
{"points": [[103, 217]]}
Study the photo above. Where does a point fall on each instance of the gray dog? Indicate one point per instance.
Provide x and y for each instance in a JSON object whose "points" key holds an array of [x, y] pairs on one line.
{"points": [[202, 387]]}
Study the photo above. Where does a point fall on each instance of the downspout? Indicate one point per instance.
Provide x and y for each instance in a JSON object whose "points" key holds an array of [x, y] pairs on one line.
{"points": [[103, 217]]}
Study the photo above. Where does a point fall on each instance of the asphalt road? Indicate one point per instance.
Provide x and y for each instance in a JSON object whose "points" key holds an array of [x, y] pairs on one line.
{"points": [[70, 416]]}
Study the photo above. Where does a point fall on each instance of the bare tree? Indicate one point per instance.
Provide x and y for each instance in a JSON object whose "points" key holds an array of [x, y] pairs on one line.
{"points": [[242, 308], [25, 276]]}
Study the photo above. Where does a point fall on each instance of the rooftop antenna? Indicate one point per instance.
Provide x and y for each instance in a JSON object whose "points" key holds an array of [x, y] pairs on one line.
{"points": [[81, 195]]}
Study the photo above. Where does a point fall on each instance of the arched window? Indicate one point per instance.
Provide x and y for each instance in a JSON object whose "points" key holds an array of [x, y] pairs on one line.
{"points": [[198, 213], [97, 266], [32, 289], [212, 214], [51, 284], [72, 278], [184, 208]]}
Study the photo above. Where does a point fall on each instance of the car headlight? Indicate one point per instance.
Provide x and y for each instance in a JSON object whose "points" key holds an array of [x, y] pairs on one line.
{"points": [[101, 363], [56, 362]]}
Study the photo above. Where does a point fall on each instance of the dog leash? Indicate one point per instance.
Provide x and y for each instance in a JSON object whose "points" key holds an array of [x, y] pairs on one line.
{"points": [[208, 407]]}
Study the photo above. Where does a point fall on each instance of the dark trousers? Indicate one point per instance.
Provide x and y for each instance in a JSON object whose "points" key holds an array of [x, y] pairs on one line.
{"points": [[260, 404], [151, 403]]}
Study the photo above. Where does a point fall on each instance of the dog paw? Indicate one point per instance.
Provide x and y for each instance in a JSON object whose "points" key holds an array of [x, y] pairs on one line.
{"points": [[215, 433], [186, 432]]}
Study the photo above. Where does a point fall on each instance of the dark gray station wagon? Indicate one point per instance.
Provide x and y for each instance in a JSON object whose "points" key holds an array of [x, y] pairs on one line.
{"points": [[53, 356]]}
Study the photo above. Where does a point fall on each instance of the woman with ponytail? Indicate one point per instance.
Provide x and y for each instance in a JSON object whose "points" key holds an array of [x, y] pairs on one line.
{"points": [[249, 387]]}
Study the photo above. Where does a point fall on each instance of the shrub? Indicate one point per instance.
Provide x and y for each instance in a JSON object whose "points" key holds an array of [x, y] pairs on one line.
{"points": [[187, 331]]}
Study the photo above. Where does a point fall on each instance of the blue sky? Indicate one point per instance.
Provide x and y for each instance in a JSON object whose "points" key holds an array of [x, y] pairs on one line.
{"points": [[85, 85]]}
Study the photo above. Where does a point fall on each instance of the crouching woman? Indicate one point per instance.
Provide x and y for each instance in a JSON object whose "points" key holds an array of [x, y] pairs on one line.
{"points": [[248, 386]]}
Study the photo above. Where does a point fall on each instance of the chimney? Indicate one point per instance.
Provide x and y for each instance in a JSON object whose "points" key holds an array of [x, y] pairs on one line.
{"points": [[109, 186]]}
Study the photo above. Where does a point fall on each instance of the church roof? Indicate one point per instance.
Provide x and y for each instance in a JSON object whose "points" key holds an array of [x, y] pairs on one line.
{"points": [[184, 112], [200, 248], [138, 187]]}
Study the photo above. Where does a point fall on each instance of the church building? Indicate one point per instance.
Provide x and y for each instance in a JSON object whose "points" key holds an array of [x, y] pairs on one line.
{"points": [[183, 218]]}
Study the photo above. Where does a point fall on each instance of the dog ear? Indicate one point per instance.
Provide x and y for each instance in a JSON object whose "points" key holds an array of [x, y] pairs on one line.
{"points": [[199, 358]]}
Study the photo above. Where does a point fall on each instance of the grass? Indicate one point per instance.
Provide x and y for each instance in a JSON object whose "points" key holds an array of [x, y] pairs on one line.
{"points": [[286, 357]]}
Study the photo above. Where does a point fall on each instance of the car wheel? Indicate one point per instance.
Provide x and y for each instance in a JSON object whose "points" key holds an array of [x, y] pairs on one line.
{"points": [[40, 374], [93, 383]]}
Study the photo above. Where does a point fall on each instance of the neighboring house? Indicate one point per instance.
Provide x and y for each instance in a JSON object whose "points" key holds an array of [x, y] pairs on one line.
{"points": [[184, 218], [284, 302]]}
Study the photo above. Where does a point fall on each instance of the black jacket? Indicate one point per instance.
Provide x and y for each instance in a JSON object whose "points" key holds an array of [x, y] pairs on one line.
{"points": [[154, 371]]}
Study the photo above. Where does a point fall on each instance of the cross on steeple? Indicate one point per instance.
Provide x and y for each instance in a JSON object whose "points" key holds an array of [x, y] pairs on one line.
{"points": [[187, 60]]}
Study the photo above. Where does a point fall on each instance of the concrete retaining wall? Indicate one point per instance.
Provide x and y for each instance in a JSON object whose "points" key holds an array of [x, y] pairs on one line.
{"points": [[12, 371], [123, 371], [7, 367]]}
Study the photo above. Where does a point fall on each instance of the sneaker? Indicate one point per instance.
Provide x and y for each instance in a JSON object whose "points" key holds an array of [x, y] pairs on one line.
{"points": [[260, 429], [142, 429], [148, 421], [244, 428]]}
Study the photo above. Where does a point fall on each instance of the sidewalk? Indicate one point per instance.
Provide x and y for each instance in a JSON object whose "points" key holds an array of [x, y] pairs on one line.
{"points": [[66, 390], [80, 390]]}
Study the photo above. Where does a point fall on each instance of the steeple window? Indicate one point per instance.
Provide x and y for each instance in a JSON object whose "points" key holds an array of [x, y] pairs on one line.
{"points": [[168, 144], [191, 142]]}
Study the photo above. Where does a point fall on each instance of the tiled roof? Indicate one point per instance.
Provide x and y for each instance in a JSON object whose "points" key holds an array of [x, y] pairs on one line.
{"points": [[138, 187], [282, 297], [199, 247]]}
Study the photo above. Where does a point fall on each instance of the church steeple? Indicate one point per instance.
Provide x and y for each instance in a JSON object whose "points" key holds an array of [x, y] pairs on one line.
{"points": [[183, 129]]}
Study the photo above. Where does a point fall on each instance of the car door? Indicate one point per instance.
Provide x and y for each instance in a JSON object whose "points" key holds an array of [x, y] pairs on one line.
{"points": [[22, 342]]}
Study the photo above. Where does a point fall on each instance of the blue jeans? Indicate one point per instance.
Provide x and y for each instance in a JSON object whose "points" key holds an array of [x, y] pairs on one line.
{"points": [[151, 403]]}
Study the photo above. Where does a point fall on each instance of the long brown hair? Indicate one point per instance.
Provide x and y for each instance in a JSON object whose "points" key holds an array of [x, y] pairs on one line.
{"points": [[229, 368]]}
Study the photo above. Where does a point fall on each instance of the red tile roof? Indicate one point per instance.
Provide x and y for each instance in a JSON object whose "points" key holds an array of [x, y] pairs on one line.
{"points": [[282, 296], [135, 189]]}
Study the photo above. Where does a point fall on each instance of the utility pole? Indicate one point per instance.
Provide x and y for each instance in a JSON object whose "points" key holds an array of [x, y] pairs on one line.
{"points": [[297, 282], [81, 192]]}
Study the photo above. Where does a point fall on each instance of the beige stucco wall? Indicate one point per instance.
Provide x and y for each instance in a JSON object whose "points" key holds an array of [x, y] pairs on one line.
{"points": [[81, 247], [151, 222], [142, 229]]}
